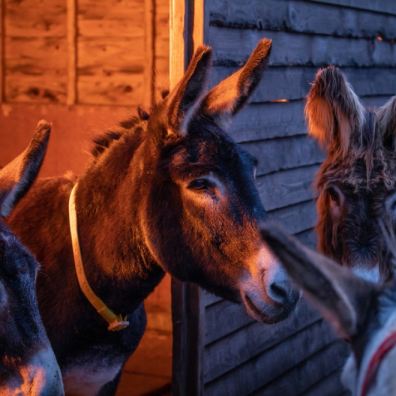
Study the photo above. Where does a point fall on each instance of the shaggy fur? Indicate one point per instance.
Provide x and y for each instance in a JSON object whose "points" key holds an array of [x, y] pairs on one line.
{"points": [[169, 193], [358, 173]]}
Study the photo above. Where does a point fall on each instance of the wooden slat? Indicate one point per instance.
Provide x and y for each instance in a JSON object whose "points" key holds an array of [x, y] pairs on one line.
{"points": [[240, 346], [32, 18], [71, 52], [301, 17], [233, 46], [263, 368], [296, 218], [381, 6], [32, 75], [162, 47], [2, 63], [308, 238], [281, 154], [286, 188], [328, 386], [293, 83], [312, 368], [149, 53]]}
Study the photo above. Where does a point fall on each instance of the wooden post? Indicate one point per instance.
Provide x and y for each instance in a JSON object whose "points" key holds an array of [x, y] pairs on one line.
{"points": [[188, 313], [149, 53], [71, 52]]}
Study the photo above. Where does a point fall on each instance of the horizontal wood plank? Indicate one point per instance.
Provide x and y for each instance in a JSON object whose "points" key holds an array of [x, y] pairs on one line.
{"points": [[237, 348], [381, 6], [328, 386], [312, 368], [300, 49], [35, 18], [282, 154], [301, 17], [296, 218], [262, 368], [293, 83], [285, 188]]}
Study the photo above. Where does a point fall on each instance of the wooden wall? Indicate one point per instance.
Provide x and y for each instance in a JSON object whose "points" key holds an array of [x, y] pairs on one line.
{"points": [[299, 356], [108, 52]]}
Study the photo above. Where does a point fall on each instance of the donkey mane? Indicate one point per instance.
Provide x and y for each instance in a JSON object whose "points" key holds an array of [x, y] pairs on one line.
{"points": [[104, 140]]}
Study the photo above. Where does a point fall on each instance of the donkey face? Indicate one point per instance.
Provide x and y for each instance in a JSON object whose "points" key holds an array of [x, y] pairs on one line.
{"points": [[209, 234], [360, 311], [27, 362], [357, 175]]}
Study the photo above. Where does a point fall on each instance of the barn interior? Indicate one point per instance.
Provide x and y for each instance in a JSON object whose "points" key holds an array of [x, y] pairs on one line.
{"points": [[84, 66]]}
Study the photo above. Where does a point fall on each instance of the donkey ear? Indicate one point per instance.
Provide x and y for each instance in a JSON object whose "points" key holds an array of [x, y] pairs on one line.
{"points": [[230, 95], [17, 176], [340, 296], [387, 122], [183, 101], [333, 111]]}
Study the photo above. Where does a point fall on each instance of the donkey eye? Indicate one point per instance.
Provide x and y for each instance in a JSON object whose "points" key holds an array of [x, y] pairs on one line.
{"points": [[200, 184]]}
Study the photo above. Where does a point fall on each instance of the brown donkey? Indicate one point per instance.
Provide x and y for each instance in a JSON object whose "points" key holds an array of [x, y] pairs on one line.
{"points": [[169, 193], [27, 362], [357, 176]]}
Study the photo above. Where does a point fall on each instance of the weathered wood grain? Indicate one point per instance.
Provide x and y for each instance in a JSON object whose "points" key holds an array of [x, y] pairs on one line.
{"points": [[32, 77], [284, 153], [300, 49], [161, 47], [327, 386], [71, 52], [286, 188], [35, 18], [263, 368], [296, 218], [301, 17], [312, 368], [109, 72], [381, 6], [240, 346], [293, 83]]}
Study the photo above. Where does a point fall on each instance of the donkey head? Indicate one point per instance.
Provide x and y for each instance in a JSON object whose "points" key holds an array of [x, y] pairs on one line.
{"points": [[208, 232], [27, 362], [357, 175], [361, 311]]}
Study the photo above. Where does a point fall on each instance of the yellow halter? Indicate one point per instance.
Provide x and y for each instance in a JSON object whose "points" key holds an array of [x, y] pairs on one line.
{"points": [[116, 322]]}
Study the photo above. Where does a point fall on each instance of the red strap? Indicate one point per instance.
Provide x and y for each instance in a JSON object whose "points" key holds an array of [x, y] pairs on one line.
{"points": [[375, 361]]}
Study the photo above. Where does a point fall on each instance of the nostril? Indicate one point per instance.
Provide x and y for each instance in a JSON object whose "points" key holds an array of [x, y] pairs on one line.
{"points": [[279, 292]]}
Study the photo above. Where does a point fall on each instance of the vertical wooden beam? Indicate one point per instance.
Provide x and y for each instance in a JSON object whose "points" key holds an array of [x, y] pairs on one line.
{"points": [[2, 51], [71, 52], [186, 33], [149, 64]]}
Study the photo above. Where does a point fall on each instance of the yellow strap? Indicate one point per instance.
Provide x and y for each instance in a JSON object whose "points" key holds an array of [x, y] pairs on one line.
{"points": [[116, 322]]}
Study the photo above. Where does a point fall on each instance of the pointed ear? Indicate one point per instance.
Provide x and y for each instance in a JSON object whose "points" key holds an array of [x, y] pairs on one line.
{"points": [[17, 177], [340, 296], [230, 95], [333, 111], [387, 122], [184, 100]]}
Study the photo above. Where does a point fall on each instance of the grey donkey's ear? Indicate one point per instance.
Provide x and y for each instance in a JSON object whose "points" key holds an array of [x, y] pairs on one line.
{"points": [[333, 111], [230, 95], [184, 100], [17, 176], [340, 296]]}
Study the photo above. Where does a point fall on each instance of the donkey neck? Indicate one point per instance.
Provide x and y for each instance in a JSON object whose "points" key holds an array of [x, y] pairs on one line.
{"points": [[108, 197]]}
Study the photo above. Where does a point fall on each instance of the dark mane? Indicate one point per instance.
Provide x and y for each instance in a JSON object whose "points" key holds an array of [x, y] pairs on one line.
{"points": [[103, 141]]}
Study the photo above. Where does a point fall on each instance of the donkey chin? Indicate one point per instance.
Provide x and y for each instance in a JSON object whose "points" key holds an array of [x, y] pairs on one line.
{"points": [[268, 294]]}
